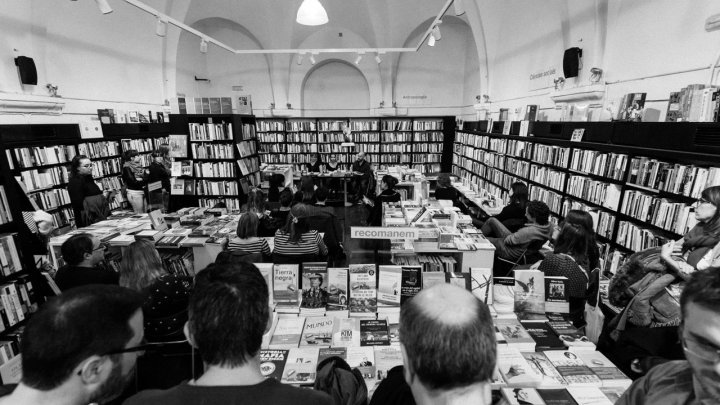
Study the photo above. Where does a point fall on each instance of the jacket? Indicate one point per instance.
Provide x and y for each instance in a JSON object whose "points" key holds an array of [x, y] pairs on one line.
{"points": [[512, 246], [158, 172]]}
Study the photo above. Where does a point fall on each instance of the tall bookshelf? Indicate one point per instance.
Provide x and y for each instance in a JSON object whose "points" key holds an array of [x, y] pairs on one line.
{"points": [[640, 197], [224, 153], [424, 143]]}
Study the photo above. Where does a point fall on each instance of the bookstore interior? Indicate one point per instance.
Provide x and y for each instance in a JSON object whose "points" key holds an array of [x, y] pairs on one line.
{"points": [[560, 161]]}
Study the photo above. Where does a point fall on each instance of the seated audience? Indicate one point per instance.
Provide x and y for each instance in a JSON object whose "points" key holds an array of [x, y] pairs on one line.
{"points": [[570, 259], [247, 239], [512, 215], [442, 364], [307, 187], [315, 163], [695, 380], [511, 245], [258, 204], [296, 238], [362, 173], [80, 347], [445, 190], [277, 184], [281, 214], [387, 194], [321, 195], [228, 316], [82, 254], [165, 305], [583, 219]]}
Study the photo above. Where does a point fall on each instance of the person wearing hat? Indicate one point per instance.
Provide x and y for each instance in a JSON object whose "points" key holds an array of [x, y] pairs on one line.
{"points": [[316, 296]]}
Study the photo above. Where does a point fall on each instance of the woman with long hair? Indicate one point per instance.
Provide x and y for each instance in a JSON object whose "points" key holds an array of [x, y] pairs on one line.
{"points": [[512, 215], [247, 239], [307, 187], [296, 238], [388, 194], [257, 204], [165, 307], [134, 176], [315, 163], [89, 203]]}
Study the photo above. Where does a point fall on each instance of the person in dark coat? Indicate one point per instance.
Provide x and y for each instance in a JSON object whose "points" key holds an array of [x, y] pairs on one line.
{"points": [[89, 203]]}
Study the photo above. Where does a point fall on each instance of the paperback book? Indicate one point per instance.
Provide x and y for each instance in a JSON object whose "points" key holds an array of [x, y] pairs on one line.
{"points": [[556, 396], [346, 332], [461, 280], [386, 357], [573, 370], [327, 352], [301, 366], [516, 336], [529, 296], [543, 335], [272, 363], [287, 333], [410, 282], [314, 287], [607, 372], [588, 396], [557, 299], [317, 332], [374, 332], [551, 378], [285, 285], [337, 288], [515, 370], [389, 282], [481, 281], [504, 295], [364, 359], [524, 396], [363, 290]]}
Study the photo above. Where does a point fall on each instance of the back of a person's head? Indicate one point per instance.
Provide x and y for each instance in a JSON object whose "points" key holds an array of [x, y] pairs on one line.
{"points": [[443, 180], [286, 197], [573, 240], [449, 338], [81, 322], [539, 210], [247, 225], [321, 194], [228, 313], [297, 222], [141, 265], [256, 201], [519, 194], [390, 181], [307, 184], [74, 249], [703, 289], [129, 154], [580, 217]]}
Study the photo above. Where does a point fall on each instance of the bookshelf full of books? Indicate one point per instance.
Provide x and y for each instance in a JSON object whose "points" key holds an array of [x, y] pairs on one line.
{"points": [[223, 153], [415, 142], [638, 197]]}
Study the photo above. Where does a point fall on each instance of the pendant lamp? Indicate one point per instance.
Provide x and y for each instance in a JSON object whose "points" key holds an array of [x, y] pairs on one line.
{"points": [[311, 12]]}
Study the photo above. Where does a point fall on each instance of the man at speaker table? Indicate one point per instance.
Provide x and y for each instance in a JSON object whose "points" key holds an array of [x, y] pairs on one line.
{"points": [[696, 380]]}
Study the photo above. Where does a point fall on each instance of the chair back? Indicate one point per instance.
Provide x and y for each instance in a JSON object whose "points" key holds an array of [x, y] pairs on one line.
{"points": [[278, 258]]}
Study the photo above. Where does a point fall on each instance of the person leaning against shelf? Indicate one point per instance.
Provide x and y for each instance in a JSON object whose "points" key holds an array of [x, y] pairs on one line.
{"points": [[247, 240], [228, 317], [89, 203], [512, 215], [167, 295], [82, 254], [441, 365], [159, 170], [134, 176], [80, 347], [695, 380], [296, 238]]}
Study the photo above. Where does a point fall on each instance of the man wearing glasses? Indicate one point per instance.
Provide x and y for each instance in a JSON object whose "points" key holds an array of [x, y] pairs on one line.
{"points": [[82, 254], [696, 380], [80, 348]]}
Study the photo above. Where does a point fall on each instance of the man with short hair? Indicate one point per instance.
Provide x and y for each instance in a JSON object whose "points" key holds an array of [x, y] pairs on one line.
{"points": [[361, 175], [448, 346], [82, 254], [228, 314], [280, 215], [509, 245], [81, 347], [696, 380]]}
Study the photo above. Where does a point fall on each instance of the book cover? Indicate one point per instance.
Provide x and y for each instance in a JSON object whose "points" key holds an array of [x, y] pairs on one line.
{"points": [[568, 333], [346, 332], [522, 396], [374, 332], [285, 284], [301, 366], [363, 290], [266, 269], [314, 287], [588, 396], [557, 299], [503, 294], [481, 280], [272, 363], [287, 333], [607, 372], [515, 334], [389, 281], [337, 288], [364, 359], [551, 378], [410, 282], [386, 357], [572, 368], [613, 393], [529, 294], [461, 280], [556, 396], [543, 335], [430, 278], [317, 331], [515, 370], [327, 352], [446, 241]]}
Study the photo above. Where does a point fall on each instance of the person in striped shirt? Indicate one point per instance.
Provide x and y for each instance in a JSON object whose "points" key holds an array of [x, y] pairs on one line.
{"points": [[247, 239], [296, 238]]}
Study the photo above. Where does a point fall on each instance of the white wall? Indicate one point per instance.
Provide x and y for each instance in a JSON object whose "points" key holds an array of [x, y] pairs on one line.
{"points": [[334, 89]]}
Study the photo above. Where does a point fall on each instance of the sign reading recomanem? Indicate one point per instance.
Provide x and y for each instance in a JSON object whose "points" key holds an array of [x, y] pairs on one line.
{"points": [[371, 232]]}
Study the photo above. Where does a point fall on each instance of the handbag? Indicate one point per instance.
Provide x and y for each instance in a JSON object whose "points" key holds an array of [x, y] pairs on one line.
{"points": [[594, 319]]}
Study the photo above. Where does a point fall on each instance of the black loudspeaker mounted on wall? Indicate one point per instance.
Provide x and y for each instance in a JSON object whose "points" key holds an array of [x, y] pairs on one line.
{"points": [[26, 69], [571, 62]]}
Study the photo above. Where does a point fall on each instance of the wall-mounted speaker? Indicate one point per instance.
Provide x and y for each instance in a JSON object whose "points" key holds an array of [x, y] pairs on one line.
{"points": [[26, 69], [571, 62]]}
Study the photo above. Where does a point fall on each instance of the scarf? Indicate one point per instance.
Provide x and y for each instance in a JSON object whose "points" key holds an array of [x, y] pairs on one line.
{"points": [[700, 239], [137, 170]]}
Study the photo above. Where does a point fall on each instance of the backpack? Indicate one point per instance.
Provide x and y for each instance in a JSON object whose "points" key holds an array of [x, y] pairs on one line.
{"points": [[346, 386]]}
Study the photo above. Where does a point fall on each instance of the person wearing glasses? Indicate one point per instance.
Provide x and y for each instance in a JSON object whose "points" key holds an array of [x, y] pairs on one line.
{"points": [[695, 380], [228, 315], [89, 203], [82, 254], [80, 347]]}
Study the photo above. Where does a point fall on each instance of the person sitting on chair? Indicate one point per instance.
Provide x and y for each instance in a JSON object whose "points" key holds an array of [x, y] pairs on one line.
{"points": [[247, 239], [83, 254], [445, 190], [361, 175], [321, 195], [509, 245], [296, 238], [315, 164], [280, 215], [512, 215], [388, 194]]}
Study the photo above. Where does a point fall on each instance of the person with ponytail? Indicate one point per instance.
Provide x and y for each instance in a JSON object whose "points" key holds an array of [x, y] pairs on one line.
{"points": [[296, 238]]}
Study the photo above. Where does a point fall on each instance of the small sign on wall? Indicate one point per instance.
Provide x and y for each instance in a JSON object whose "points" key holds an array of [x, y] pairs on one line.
{"points": [[415, 100], [543, 78]]}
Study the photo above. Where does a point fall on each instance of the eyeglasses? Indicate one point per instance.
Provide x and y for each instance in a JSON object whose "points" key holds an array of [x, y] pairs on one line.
{"points": [[701, 350], [88, 165], [102, 246], [702, 201]]}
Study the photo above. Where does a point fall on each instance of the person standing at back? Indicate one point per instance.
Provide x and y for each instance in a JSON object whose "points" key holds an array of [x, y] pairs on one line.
{"points": [[228, 315], [159, 171], [89, 203], [135, 178]]}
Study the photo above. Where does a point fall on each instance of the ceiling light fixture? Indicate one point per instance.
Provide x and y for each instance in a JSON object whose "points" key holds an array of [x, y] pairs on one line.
{"points": [[203, 46], [312, 13], [359, 57], [431, 40], [300, 58], [378, 59], [436, 33], [104, 6], [459, 8], [312, 58], [160, 27]]}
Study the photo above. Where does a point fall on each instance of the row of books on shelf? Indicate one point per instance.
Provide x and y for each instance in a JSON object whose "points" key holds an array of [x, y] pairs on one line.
{"points": [[397, 137], [50, 199], [275, 137], [594, 191], [212, 151], [206, 105], [248, 131], [142, 145], [231, 203], [551, 154], [687, 180], [17, 300], [638, 238], [210, 169], [272, 125], [553, 200], [669, 215], [180, 186], [603, 221], [224, 187], [248, 165], [429, 137], [35, 179], [107, 167], [5, 214], [695, 103], [610, 165], [96, 150], [43, 155], [65, 216], [548, 177], [210, 131], [246, 148]]}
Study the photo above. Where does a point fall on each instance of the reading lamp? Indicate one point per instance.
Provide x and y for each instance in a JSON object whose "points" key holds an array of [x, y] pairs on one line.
{"points": [[104, 6], [312, 13]]}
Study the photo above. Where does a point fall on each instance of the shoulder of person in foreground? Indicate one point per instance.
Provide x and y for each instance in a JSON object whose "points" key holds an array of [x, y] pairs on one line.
{"points": [[672, 381], [302, 396]]}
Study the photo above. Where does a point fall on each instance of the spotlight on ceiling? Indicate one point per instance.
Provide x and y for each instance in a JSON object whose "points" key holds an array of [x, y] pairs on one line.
{"points": [[203, 46], [160, 27], [436, 33], [312, 58], [300, 58], [378, 59], [311, 12], [359, 58], [431, 40], [459, 7], [104, 6]]}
